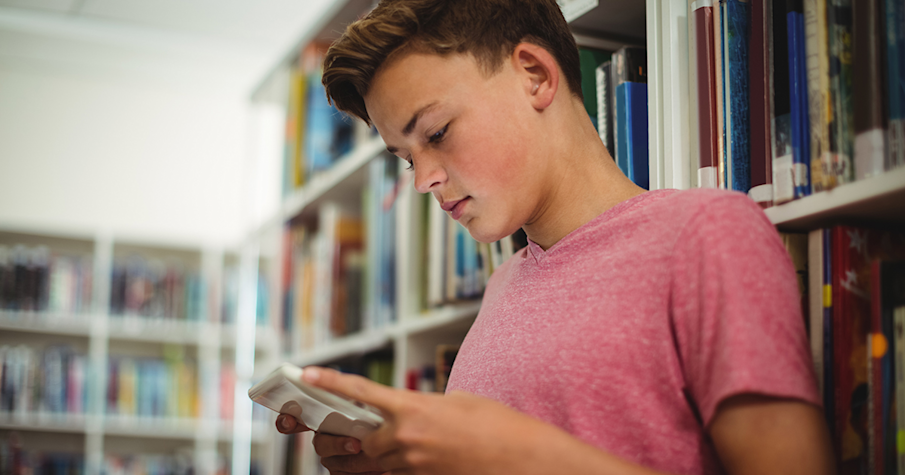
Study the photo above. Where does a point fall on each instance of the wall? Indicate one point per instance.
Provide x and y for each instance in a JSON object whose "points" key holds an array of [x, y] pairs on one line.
{"points": [[134, 159]]}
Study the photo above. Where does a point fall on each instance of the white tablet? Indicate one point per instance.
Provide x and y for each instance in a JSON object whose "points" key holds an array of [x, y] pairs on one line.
{"points": [[284, 391]]}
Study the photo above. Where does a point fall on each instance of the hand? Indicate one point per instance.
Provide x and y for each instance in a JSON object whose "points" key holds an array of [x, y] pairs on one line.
{"points": [[340, 455], [434, 434]]}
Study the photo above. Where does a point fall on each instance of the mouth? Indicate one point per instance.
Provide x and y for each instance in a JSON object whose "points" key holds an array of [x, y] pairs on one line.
{"points": [[455, 208]]}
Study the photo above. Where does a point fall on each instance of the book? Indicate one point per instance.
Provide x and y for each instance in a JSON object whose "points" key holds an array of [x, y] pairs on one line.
{"points": [[798, 99], [853, 249], [630, 80], [816, 324], [895, 82], [869, 113], [737, 169], [707, 91], [839, 33], [605, 96], [759, 81], [720, 72], [589, 60], [818, 74], [887, 292], [781, 109], [899, 351]]}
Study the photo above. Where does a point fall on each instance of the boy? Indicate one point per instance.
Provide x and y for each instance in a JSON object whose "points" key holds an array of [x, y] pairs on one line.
{"points": [[639, 332]]}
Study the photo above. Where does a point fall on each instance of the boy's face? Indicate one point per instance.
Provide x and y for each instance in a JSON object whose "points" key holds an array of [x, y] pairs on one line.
{"points": [[468, 137]]}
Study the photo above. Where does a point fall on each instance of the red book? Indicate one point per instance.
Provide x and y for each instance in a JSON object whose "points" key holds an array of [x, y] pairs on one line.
{"points": [[758, 97], [708, 130], [853, 250]]}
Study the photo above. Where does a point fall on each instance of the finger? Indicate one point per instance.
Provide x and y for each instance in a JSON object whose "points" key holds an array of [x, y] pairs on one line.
{"points": [[356, 387], [359, 463], [288, 424], [327, 445]]}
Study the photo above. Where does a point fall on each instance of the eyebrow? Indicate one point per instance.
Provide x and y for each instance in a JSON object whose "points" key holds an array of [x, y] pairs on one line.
{"points": [[407, 130]]}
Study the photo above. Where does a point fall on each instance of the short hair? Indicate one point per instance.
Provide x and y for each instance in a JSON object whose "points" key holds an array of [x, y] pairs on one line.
{"points": [[489, 30]]}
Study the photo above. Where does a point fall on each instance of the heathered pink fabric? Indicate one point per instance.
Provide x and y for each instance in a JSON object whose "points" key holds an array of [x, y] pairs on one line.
{"points": [[631, 330]]}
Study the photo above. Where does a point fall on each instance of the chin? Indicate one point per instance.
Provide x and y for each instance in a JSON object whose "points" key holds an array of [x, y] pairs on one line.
{"points": [[486, 234]]}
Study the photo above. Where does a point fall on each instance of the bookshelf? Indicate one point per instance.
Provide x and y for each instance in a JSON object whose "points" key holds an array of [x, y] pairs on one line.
{"points": [[92, 335]]}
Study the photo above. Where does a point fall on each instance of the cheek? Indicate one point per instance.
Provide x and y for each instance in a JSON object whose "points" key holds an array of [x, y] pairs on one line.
{"points": [[495, 159]]}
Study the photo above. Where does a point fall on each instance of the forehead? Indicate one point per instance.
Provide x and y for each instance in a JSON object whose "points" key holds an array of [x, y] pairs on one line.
{"points": [[415, 80]]}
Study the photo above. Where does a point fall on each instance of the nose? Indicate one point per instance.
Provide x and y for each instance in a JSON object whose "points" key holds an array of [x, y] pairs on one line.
{"points": [[429, 174]]}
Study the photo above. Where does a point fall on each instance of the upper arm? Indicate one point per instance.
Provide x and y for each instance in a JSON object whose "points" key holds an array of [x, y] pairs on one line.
{"points": [[756, 434]]}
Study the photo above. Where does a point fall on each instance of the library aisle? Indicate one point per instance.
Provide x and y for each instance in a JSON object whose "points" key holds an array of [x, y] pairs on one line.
{"points": [[181, 211]]}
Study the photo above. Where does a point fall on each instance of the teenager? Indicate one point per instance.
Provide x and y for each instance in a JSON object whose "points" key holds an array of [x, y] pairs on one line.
{"points": [[639, 332]]}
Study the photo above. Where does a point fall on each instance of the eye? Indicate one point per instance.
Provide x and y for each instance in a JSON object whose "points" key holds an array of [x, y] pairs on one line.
{"points": [[439, 135]]}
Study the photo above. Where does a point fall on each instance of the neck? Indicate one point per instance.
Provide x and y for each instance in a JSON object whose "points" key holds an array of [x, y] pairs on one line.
{"points": [[584, 181]]}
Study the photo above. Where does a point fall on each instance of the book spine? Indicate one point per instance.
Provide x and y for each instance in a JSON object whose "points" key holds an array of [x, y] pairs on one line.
{"points": [[899, 345], [707, 91], [720, 131], [829, 334], [759, 80], [725, 119], [868, 87], [798, 99], [818, 74], [605, 107], [895, 89], [815, 304], [737, 29], [839, 32], [636, 127]]}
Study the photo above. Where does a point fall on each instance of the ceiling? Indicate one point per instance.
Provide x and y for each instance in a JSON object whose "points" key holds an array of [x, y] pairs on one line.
{"points": [[219, 46]]}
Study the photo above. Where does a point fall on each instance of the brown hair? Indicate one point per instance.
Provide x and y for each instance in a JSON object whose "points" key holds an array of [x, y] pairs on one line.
{"points": [[487, 29]]}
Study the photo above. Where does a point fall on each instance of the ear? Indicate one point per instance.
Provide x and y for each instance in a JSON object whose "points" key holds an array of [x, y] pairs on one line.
{"points": [[539, 73]]}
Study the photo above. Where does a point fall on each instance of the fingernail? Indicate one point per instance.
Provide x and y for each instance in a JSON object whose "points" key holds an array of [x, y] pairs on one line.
{"points": [[350, 447], [311, 375], [284, 423]]}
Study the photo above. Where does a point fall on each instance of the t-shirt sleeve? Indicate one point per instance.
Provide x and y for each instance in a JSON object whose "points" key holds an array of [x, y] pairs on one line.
{"points": [[736, 311]]}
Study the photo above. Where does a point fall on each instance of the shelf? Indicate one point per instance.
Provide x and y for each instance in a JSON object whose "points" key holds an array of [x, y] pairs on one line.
{"points": [[154, 330], [59, 423], [46, 323], [879, 199], [453, 315], [357, 344], [171, 428], [339, 183]]}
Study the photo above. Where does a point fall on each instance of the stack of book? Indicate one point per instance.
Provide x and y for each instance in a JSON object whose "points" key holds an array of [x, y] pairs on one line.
{"points": [[458, 267], [159, 388], [317, 134], [782, 112], [339, 276], [49, 381], [155, 288], [854, 289], [15, 459], [621, 110], [37, 279]]}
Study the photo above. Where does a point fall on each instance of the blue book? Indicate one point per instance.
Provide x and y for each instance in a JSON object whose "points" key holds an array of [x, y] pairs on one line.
{"points": [[738, 156], [630, 128], [631, 119], [798, 95], [328, 133]]}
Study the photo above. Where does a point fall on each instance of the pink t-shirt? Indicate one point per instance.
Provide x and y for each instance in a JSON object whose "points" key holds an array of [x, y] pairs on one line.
{"points": [[629, 332]]}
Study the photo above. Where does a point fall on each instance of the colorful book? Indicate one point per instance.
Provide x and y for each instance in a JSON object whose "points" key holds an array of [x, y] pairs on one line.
{"points": [[839, 33], [705, 51], [853, 249], [869, 105], [780, 110], [719, 52]]}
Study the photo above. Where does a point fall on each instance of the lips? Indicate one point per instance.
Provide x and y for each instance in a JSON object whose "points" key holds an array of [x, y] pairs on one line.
{"points": [[455, 208]]}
